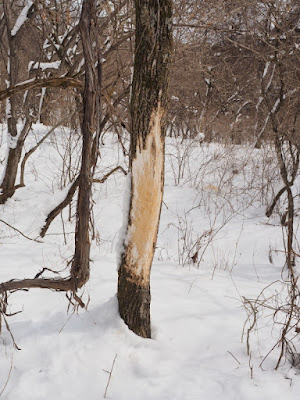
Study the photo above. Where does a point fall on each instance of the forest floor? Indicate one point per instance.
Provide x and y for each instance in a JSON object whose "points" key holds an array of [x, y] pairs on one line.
{"points": [[216, 250]]}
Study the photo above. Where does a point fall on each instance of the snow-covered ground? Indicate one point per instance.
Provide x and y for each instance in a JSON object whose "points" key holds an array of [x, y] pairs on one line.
{"points": [[214, 203]]}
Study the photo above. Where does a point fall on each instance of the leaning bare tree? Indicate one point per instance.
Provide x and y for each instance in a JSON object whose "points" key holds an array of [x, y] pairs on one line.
{"points": [[148, 108]]}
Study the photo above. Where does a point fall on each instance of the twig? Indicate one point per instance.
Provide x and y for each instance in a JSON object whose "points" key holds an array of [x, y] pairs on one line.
{"points": [[105, 177], [165, 204], [43, 270], [65, 323], [110, 374], [251, 367], [17, 230], [33, 149], [9, 374], [254, 314], [10, 332], [234, 357]]}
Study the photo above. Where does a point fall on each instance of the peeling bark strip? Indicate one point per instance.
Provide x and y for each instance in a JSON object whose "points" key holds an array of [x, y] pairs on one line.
{"points": [[148, 107], [147, 174]]}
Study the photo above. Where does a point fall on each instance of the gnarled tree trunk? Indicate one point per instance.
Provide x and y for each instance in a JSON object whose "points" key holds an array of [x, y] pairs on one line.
{"points": [[148, 107], [90, 134]]}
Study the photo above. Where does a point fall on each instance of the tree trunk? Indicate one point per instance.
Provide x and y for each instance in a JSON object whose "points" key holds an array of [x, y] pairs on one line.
{"points": [[15, 141], [90, 132], [14, 146], [148, 108]]}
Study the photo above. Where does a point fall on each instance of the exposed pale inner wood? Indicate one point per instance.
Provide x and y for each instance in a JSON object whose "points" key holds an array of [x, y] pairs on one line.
{"points": [[147, 182]]}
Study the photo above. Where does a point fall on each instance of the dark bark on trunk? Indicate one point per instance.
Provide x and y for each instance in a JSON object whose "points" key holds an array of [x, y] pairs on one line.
{"points": [[80, 268], [148, 107], [14, 150], [15, 142], [12, 163], [134, 304]]}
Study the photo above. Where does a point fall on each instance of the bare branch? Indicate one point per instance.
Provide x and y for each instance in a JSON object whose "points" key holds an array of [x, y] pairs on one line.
{"points": [[32, 150], [63, 82], [9, 374], [17, 230], [54, 213], [105, 177], [53, 284]]}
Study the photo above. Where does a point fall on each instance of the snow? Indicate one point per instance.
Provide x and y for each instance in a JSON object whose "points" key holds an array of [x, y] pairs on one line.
{"points": [[197, 309], [44, 65], [25, 82], [275, 106], [22, 18], [266, 69]]}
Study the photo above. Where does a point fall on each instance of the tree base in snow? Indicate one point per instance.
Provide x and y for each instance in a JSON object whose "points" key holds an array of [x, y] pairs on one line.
{"points": [[134, 304]]}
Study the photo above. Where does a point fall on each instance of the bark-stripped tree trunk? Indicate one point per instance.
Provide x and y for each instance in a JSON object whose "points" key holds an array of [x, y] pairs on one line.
{"points": [[148, 107]]}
